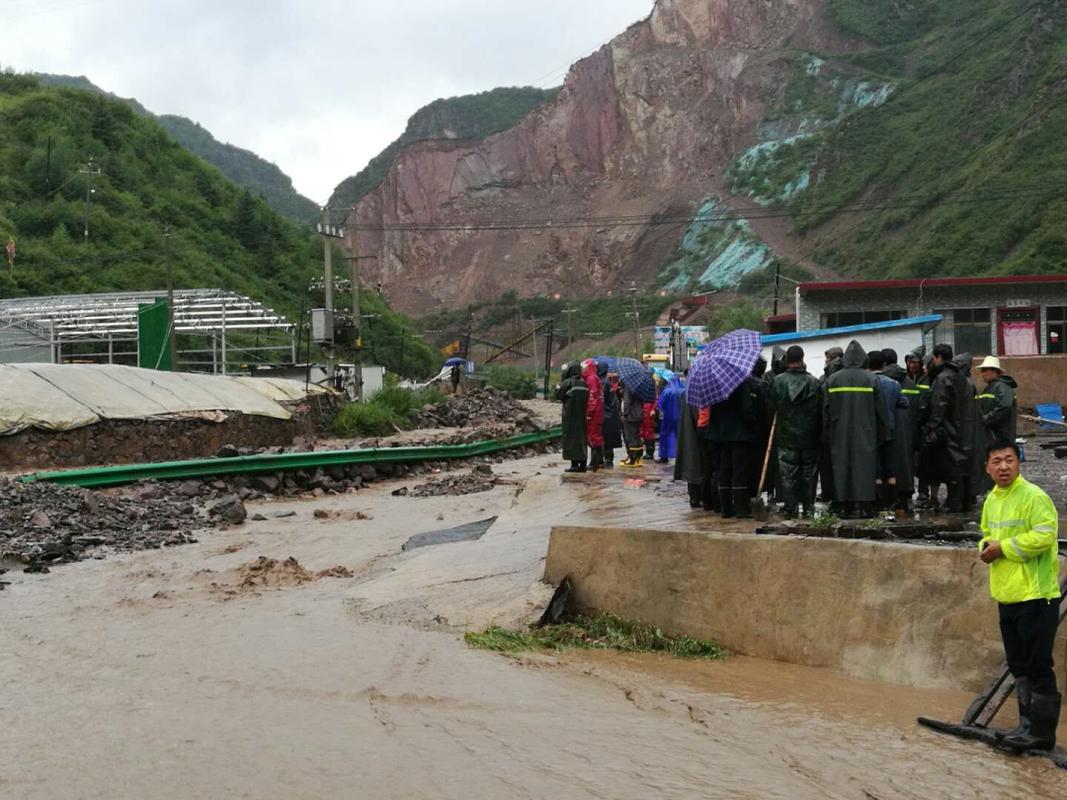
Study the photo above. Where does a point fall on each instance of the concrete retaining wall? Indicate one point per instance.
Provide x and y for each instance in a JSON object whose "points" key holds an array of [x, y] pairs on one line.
{"points": [[913, 615]]}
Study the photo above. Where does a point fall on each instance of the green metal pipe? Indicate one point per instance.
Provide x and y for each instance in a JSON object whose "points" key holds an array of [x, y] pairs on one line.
{"points": [[277, 462]]}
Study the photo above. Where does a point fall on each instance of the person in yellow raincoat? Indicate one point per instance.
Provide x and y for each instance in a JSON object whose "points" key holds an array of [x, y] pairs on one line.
{"points": [[1019, 526]]}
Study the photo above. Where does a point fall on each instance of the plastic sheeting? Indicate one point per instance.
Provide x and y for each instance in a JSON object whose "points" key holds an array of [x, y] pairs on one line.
{"points": [[62, 397]]}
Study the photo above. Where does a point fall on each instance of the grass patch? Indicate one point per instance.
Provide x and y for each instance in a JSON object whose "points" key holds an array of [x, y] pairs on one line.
{"points": [[389, 410], [602, 632]]}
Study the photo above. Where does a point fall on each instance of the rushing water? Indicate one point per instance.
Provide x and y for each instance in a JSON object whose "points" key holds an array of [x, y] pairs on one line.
{"points": [[168, 675]]}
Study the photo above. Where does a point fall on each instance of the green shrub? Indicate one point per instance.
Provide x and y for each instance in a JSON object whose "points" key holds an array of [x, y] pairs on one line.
{"points": [[366, 419], [517, 382]]}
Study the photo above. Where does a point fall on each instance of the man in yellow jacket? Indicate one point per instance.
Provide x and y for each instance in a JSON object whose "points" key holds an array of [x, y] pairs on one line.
{"points": [[1020, 524]]}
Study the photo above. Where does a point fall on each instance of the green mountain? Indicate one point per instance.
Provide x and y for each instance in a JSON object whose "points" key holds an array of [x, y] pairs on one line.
{"points": [[241, 166], [953, 163], [472, 117], [222, 235]]}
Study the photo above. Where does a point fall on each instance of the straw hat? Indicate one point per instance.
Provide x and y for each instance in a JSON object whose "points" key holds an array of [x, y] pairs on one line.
{"points": [[991, 362]]}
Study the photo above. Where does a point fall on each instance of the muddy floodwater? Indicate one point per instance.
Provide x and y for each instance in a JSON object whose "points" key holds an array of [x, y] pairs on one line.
{"points": [[225, 670]]}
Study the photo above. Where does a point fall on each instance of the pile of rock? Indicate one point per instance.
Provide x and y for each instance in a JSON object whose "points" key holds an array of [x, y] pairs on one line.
{"points": [[478, 409], [479, 479], [42, 524]]}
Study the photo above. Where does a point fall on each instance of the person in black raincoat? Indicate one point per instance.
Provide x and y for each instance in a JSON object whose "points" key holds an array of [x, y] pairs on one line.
{"points": [[999, 409], [689, 456], [612, 429], [852, 414], [949, 431], [779, 364], [796, 397], [919, 408], [574, 395], [997, 415], [633, 414], [833, 358], [734, 428], [903, 430]]}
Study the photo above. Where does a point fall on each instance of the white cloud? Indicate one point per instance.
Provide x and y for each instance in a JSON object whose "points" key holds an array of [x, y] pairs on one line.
{"points": [[318, 88]]}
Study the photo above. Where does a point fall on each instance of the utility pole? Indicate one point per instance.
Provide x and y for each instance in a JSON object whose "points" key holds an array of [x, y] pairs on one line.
{"points": [[548, 356], [329, 232], [90, 170], [470, 333], [570, 312], [172, 334], [637, 319], [777, 284], [533, 338]]}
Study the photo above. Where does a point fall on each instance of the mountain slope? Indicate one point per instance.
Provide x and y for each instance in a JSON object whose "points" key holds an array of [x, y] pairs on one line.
{"points": [[720, 138], [221, 236], [241, 166], [469, 118]]}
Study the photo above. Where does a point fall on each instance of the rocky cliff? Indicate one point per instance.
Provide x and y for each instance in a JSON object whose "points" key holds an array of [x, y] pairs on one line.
{"points": [[646, 127]]}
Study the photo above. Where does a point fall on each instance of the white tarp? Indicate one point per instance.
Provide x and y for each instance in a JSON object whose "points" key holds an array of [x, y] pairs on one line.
{"points": [[62, 397]]}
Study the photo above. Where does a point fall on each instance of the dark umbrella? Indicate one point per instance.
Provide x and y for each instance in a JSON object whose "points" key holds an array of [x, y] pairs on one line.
{"points": [[722, 367], [456, 361], [637, 378]]}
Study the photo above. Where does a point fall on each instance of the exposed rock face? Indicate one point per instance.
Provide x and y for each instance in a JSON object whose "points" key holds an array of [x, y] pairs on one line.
{"points": [[646, 125]]}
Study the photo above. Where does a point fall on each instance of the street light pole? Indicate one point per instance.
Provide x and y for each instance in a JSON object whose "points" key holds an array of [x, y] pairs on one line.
{"points": [[90, 170], [172, 334], [637, 319]]}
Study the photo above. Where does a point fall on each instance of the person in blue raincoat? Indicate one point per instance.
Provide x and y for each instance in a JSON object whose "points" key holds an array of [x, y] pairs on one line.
{"points": [[670, 411]]}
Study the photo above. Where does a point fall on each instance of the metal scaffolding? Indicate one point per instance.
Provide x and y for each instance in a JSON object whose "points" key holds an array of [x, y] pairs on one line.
{"points": [[87, 328]]}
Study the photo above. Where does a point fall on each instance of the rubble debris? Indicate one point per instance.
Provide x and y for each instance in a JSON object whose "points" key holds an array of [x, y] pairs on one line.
{"points": [[41, 523], [479, 407], [479, 479], [271, 573]]}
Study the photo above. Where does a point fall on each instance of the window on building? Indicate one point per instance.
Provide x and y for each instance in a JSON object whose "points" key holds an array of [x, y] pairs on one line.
{"points": [[1057, 329], [842, 319], [966, 330]]}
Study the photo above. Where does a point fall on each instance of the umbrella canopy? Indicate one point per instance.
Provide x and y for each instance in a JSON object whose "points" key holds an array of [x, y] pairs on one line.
{"points": [[607, 361], [663, 373], [637, 378], [722, 367], [456, 361]]}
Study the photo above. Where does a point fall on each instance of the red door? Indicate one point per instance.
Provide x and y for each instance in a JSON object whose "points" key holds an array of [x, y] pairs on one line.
{"points": [[1017, 331]]}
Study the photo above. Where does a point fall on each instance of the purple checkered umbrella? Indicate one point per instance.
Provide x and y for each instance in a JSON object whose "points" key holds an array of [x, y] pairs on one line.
{"points": [[722, 367], [636, 377]]}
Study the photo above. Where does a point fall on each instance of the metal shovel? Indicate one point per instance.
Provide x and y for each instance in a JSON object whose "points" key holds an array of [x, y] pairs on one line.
{"points": [[758, 504]]}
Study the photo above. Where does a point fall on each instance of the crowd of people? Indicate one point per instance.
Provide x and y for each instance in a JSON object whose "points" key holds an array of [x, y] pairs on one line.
{"points": [[873, 435]]}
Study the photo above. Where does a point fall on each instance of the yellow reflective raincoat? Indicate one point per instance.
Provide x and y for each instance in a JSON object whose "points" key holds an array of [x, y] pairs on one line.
{"points": [[1024, 521]]}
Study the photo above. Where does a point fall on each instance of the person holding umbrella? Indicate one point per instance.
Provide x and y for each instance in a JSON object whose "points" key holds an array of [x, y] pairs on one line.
{"points": [[719, 379], [455, 373], [637, 389]]}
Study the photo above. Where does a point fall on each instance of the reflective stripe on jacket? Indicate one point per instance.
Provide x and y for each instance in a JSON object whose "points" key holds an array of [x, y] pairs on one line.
{"points": [[1024, 521]]}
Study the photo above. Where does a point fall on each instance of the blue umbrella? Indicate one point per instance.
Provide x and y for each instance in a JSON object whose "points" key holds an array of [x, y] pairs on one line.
{"points": [[722, 367], [637, 378], [607, 361], [456, 361], [663, 373]]}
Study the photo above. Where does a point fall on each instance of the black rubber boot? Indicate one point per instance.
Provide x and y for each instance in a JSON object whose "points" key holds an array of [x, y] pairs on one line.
{"points": [[573, 467], [696, 496], [1044, 717], [1023, 694], [597, 460], [609, 457], [581, 467], [726, 503], [742, 503]]}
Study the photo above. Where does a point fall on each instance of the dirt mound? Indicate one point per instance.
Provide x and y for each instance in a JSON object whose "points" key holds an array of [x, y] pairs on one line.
{"points": [[271, 573], [41, 523]]}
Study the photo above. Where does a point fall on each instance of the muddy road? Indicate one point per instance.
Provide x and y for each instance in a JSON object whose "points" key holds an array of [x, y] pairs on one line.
{"points": [[206, 672]]}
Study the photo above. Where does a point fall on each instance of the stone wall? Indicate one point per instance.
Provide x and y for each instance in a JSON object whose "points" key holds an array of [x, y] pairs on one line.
{"points": [[139, 441], [906, 614]]}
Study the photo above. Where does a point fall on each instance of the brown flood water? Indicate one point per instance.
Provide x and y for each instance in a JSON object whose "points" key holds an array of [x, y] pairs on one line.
{"points": [[166, 675]]}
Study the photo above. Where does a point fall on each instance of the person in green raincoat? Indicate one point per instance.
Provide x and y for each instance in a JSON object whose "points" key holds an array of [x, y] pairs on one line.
{"points": [[574, 394]]}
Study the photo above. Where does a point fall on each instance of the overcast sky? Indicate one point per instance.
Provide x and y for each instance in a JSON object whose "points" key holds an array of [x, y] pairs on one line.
{"points": [[317, 88]]}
